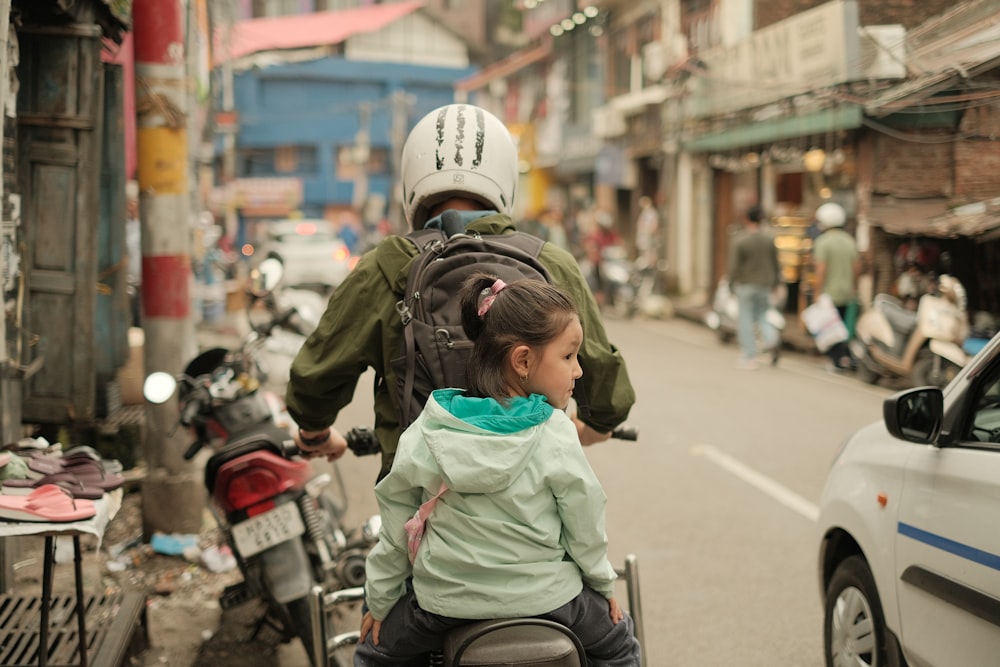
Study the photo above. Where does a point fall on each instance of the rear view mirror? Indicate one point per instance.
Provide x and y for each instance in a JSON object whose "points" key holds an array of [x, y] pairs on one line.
{"points": [[915, 415], [266, 276]]}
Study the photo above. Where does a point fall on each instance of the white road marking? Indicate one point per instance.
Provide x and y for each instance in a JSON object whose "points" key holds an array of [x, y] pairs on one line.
{"points": [[786, 497]]}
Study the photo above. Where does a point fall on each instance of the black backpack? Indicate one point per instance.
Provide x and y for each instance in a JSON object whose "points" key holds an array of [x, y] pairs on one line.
{"points": [[435, 348]]}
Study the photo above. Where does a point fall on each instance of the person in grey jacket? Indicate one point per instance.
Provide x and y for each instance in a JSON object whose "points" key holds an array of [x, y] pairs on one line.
{"points": [[754, 273], [491, 509]]}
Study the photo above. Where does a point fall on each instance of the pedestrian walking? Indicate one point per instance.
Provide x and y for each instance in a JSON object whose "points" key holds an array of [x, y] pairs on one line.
{"points": [[754, 274], [836, 265]]}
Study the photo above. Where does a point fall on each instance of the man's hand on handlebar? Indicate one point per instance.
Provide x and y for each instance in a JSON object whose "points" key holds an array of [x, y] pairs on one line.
{"points": [[588, 436], [313, 443]]}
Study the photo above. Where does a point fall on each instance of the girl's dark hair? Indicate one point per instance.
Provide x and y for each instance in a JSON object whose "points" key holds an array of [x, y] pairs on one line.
{"points": [[525, 312]]}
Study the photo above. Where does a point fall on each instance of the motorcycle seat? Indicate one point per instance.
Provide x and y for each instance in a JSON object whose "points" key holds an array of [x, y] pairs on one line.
{"points": [[513, 642], [901, 319]]}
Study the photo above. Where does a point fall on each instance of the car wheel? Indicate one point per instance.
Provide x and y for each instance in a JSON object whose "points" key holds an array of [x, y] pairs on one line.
{"points": [[930, 370], [854, 631]]}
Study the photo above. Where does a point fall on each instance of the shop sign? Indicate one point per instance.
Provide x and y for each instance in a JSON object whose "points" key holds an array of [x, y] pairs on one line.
{"points": [[811, 50], [259, 196]]}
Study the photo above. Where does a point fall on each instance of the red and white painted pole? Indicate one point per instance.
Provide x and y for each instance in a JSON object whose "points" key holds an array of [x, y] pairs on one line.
{"points": [[173, 496]]}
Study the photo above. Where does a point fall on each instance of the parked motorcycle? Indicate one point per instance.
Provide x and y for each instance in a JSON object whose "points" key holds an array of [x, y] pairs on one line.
{"points": [[924, 346], [624, 287], [724, 316], [286, 534], [508, 642]]}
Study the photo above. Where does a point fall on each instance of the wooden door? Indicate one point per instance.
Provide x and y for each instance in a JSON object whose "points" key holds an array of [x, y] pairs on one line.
{"points": [[60, 104]]}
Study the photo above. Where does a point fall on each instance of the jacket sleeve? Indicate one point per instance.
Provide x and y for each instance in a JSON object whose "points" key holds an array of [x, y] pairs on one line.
{"points": [[604, 394], [347, 341], [581, 504], [388, 565]]}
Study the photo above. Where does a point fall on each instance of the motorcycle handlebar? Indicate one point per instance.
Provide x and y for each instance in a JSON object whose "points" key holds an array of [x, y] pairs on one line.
{"points": [[190, 411], [361, 440], [626, 433]]}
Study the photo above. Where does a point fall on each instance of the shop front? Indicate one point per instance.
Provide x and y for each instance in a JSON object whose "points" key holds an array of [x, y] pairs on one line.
{"points": [[762, 115]]}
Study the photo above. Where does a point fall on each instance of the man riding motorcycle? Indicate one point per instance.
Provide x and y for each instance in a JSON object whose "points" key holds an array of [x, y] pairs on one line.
{"points": [[443, 168]]}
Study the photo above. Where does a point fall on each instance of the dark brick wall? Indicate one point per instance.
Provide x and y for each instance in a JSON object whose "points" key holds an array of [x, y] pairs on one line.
{"points": [[909, 13], [919, 167], [977, 157]]}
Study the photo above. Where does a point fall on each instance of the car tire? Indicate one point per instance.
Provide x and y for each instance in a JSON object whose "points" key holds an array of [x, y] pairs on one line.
{"points": [[854, 630]]}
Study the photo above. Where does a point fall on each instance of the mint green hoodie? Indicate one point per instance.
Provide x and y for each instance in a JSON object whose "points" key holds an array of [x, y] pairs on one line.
{"points": [[521, 527]]}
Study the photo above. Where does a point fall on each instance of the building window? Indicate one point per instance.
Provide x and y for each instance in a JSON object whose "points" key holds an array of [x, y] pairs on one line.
{"points": [[350, 161], [256, 162], [283, 160]]}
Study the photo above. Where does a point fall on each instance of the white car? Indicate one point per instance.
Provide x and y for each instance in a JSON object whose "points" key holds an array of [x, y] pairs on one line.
{"points": [[909, 529], [310, 250]]}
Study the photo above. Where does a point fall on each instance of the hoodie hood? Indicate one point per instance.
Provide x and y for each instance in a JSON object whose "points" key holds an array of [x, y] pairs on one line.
{"points": [[481, 445]]}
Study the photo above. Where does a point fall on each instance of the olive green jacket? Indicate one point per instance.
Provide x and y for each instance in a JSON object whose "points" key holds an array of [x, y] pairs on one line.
{"points": [[361, 329]]}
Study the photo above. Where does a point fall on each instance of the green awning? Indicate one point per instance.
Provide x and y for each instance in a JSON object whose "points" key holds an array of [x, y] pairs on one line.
{"points": [[776, 129]]}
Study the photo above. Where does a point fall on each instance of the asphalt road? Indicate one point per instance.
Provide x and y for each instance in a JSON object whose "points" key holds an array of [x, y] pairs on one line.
{"points": [[717, 499]]}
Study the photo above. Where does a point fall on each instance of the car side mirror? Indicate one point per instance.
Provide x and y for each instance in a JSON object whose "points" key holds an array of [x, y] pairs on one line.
{"points": [[915, 415]]}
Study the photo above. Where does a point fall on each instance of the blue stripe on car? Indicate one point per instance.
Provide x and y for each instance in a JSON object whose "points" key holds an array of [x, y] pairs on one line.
{"points": [[951, 546]]}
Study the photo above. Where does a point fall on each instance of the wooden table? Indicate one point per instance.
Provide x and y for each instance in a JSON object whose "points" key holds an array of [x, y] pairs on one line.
{"points": [[106, 508]]}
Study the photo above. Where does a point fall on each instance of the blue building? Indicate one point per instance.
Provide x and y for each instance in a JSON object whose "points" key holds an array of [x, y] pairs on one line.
{"points": [[324, 102]]}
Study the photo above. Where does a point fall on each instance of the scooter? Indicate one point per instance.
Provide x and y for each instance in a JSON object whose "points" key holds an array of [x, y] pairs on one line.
{"points": [[287, 536], [923, 346], [508, 642], [724, 317], [282, 343]]}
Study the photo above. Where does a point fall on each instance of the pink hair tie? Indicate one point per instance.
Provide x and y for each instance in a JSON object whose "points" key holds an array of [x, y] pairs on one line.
{"points": [[491, 297]]}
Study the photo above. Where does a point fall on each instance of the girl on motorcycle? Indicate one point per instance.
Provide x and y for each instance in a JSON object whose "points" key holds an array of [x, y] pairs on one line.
{"points": [[515, 515]]}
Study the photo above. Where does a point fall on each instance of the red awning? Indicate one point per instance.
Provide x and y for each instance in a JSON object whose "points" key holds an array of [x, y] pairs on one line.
{"points": [[308, 30], [509, 65]]}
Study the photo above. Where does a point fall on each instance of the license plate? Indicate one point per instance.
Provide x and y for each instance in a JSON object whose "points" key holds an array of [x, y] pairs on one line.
{"points": [[268, 529]]}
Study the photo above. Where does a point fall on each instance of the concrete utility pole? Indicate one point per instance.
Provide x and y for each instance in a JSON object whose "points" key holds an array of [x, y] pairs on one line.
{"points": [[173, 496]]}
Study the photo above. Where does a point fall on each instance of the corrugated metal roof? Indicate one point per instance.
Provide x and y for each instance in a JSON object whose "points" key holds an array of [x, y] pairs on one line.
{"points": [[960, 43], [506, 67], [308, 30], [933, 218]]}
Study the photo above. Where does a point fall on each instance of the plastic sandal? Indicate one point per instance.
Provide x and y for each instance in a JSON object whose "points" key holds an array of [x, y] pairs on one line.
{"points": [[79, 487], [46, 503]]}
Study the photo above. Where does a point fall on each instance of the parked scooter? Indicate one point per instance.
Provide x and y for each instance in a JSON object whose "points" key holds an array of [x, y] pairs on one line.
{"points": [[508, 642], [282, 343], [924, 346], [286, 534], [724, 316]]}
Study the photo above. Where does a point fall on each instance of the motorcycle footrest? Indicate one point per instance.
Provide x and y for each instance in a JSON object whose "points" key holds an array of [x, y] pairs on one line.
{"points": [[235, 595]]}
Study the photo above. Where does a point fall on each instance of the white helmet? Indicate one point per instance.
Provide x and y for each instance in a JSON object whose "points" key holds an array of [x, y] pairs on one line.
{"points": [[830, 215], [458, 150]]}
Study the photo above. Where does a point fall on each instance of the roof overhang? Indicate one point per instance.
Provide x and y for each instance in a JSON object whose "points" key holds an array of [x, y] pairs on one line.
{"points": [[504, 68], [933, 218]]}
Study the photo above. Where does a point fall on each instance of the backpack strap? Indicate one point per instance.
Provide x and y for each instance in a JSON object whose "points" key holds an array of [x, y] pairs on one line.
{"points": [[422, 238]]}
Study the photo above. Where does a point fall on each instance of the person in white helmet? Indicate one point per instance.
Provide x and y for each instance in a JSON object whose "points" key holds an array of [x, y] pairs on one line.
{"points": [[461, 158], [837, 265]]}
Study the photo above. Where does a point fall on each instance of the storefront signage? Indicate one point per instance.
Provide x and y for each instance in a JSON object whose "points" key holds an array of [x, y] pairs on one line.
{"points": [[810, 50], [263, 197]]}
